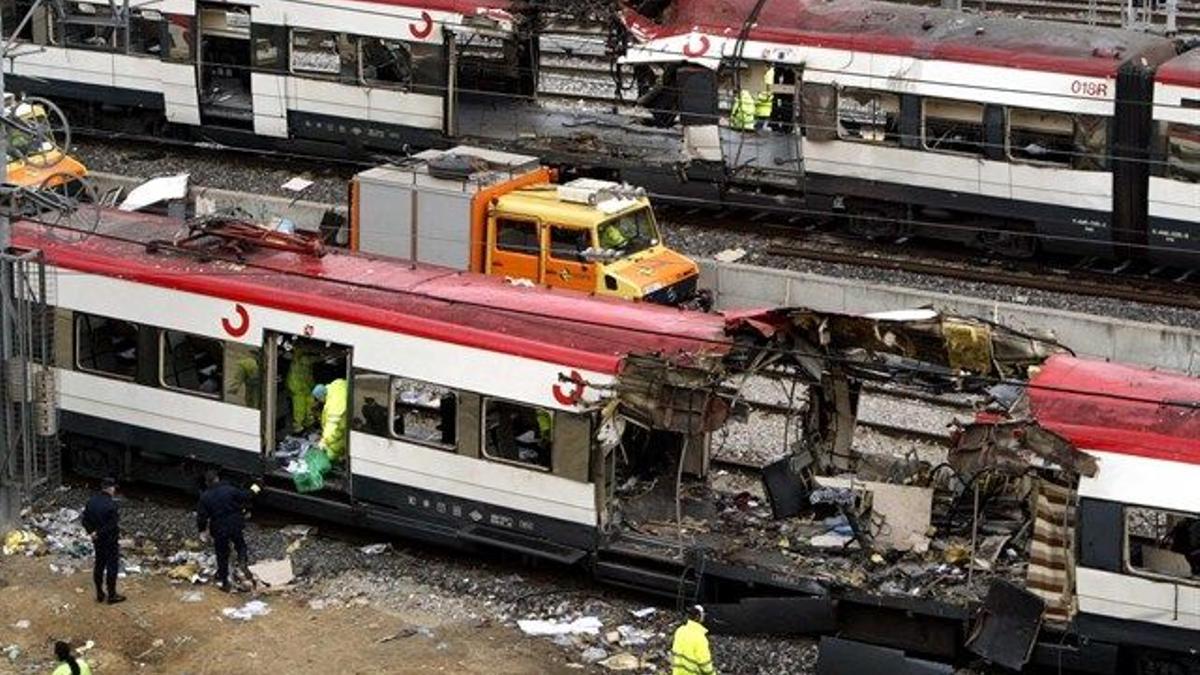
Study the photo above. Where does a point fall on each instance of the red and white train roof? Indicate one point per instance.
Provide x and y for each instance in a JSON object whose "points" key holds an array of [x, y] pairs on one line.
{"points": [[1111, 407], [1183, 70], [899, 30], [562, 327]]}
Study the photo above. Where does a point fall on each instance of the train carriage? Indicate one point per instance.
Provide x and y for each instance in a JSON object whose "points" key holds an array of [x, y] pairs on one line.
{"points": [[1174, 194], [481, 417]]}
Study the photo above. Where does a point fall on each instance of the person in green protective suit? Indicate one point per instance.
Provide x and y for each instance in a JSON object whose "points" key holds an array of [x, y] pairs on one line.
{"points": [[300, 384], [334, 399], [246, 382]]}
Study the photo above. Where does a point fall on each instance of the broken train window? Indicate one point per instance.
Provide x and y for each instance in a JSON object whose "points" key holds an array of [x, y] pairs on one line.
{"points": [[424, 413], [952, 126], [518, 433], [324, 53], [1046, 137], [92, 27], [1183, 151], [386, 62], [869, 116], [146, 32], [104, 345], [191, 363], [1162, 543]]}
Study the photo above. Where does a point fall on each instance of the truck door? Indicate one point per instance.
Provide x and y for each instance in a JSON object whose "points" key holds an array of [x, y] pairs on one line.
{"points": [[565, 265], [514, 249]]}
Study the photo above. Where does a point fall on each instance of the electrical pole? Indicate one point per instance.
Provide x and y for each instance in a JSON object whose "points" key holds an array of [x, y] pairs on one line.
{"points": [[10, 494]]}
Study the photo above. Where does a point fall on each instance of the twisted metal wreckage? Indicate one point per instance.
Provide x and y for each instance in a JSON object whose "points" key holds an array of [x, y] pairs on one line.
{"points": [[1004, 487]]}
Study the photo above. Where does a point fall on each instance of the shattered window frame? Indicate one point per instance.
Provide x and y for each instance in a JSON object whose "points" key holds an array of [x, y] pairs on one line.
{"points": [[1031, 124], [441, 391], [873, 107], [1183, 166], [1160, 537], [404, 84], [342, 46], [75, 22], [949, 118], [147, 29], [485, 445], [82, 318], [167, 350]]}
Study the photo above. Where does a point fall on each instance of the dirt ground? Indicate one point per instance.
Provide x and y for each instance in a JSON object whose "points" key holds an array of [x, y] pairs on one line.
{"points": [[156, 631]]}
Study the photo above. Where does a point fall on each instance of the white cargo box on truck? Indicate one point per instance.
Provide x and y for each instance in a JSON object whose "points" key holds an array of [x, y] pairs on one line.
{"points": [[397, 202]]}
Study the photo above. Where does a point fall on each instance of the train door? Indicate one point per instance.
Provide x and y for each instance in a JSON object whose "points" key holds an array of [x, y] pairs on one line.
{"points": [[566, 266], [763, 145], [223, 65], [294, 423], [514, 248]]}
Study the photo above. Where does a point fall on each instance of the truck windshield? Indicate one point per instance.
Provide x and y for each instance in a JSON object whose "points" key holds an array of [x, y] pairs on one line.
{"points": [[629, 233]]}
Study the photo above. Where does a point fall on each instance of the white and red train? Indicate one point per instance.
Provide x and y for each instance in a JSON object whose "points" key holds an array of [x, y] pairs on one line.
{"points": [[169, 362], [1005, 134]]}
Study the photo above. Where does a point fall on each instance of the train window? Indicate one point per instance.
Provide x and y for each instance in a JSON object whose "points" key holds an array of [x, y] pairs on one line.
{"points": [[1041, 136], [190, 362], [37, 29], [243, 385], [386, 63], [369, 414], [1183, 152], [180, 29], [325, 53], [104, 345], [145, 32], [952, 126], [270, 47], [568, 243], [517, 236], [518, 433], [92, 27], [428, 68], [869, 116], [424, 413], [1162, 543]]}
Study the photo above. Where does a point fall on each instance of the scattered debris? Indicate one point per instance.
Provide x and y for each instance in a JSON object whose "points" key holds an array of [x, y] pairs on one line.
{"points": [[644, 612], [730, 255], [22, 541], [297, 184], [273, 573], [22, 624], [155, 190], [247, 611], [192, 596], [585, 625], [593, 654], [298, 530], [374, 549], [622, 661], [13, 652]]}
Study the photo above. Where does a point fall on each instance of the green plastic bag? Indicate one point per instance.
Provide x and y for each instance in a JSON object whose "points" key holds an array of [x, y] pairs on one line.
{"points": [[313, 477]]}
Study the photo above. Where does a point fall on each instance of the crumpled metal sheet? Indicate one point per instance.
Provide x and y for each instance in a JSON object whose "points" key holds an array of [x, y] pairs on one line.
{"points": [[1015, 445]]}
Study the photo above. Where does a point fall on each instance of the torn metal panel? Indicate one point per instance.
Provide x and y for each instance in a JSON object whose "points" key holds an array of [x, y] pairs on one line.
{"points": [[786, 483], [843, 657], [1016, 445], [1006, 626], [773, 616], [685, 399]]}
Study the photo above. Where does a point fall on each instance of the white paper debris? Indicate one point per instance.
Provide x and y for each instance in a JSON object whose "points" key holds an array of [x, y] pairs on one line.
{"points": [[297, 184], [588, 625], [374, 549], [247, 611], [644, 612], [274, 572], [22, 624], [730, 255], [192, 596], [156, 190]]}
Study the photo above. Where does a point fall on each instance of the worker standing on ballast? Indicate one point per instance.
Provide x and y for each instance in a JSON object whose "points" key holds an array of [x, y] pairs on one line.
{"points": [[102, 523], [689, 652], [741, 118], [334, 401], [219, 514]]}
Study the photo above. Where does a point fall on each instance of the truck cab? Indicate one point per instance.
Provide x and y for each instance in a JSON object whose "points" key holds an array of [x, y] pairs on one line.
{"points": [[503, 214]]}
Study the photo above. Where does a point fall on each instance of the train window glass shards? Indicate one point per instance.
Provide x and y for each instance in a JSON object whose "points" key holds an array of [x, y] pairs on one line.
{"points": [[1183, 152], [518, 433], [424, 413], [953, 126], [270, 47], [1041, 136], [324, 53], [191, 363], [870, 116], [386, 63], [104, 345], [517, 236], [1162, 543], [569, 243]]}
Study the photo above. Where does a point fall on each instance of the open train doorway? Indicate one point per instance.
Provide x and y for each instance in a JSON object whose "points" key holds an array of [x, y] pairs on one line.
{"points": [[223, 60], [306, 440]]}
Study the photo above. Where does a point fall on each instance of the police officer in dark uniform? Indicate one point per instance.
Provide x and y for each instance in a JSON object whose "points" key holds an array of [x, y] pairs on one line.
{"points": [[100, 520], [220, 514]]}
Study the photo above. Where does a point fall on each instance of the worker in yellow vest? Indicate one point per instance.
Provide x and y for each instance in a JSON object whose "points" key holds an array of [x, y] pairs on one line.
{"points": [[334, 399], [765, 101], [690, 654], [741, 118]]}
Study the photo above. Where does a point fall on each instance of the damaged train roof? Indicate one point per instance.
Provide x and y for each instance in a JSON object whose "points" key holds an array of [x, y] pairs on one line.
{"points": [[1111, 407], [564, 327], [921, 32]]}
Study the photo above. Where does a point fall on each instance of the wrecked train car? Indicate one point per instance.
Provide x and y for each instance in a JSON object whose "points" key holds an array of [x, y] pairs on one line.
{"points": [[587, 432]]}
